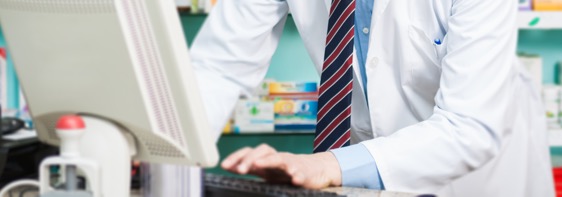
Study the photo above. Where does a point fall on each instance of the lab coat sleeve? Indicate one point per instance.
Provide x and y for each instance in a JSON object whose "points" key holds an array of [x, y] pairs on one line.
{"points": [[232, 52], [472, 113]]}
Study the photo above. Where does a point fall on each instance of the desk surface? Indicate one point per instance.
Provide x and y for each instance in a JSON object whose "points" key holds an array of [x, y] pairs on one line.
{"points": [[351, 192], [359, 192]]}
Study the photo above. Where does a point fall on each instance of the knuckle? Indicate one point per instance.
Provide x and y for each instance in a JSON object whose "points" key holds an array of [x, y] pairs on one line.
{"points": [[264, 147]]}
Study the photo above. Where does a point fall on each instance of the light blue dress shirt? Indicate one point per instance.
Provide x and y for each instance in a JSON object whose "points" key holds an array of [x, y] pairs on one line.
{"points": [[363, 15], [358, 167]]}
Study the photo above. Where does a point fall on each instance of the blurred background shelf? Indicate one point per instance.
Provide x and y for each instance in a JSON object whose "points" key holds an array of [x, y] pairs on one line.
{"points": [[540, 20], [277, 132]]}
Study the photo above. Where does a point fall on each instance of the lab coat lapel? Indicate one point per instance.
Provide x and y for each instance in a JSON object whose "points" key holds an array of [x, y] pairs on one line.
{"points": [[378, 10]]}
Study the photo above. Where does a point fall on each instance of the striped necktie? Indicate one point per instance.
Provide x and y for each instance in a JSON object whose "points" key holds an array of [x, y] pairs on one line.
{"points": [[334, 101]]}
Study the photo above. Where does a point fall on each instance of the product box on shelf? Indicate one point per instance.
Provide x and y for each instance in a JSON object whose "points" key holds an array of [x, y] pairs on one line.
{"points": [[547, 5], [295, 114], [296, 105], [292, 88], [253, 116]]}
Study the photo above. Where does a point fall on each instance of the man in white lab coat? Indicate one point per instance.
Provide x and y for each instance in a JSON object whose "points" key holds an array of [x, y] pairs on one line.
{"points": [[441, 105]]}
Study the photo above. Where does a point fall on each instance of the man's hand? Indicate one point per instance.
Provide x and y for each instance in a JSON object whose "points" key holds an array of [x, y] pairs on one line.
{"points": [[310, 171]]}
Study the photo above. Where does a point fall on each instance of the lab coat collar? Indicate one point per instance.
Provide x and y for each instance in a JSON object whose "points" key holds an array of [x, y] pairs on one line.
{"points": [[380, 7]]}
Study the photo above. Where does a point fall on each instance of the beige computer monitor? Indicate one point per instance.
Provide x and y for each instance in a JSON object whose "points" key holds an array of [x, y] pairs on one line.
{"points": [[122, 60]]}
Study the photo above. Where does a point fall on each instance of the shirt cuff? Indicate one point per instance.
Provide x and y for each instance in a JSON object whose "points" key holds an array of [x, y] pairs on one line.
{"points": [[358, 167]]}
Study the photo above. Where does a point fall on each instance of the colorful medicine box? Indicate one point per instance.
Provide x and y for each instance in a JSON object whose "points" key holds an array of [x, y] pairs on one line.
{"points": [[254, 116], [281, 88], [295, 114], [547, 5]]}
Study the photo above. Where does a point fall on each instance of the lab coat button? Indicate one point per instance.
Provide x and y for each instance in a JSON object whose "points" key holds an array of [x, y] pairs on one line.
{"points": [[365, 30]]}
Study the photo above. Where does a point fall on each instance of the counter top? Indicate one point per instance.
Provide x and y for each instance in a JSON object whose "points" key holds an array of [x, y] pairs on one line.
{"points": [[348, 191], [360, 192], [351, 192]]}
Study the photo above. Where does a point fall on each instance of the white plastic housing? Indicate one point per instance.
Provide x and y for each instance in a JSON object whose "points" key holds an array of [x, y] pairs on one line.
{"points": [[70, 142]]}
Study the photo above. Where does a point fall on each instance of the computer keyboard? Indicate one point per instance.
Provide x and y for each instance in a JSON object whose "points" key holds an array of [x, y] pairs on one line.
{"points": [[224, 186]]}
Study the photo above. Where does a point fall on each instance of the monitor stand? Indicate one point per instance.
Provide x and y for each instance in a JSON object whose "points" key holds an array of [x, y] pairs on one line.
{"points": [[104, 147]]}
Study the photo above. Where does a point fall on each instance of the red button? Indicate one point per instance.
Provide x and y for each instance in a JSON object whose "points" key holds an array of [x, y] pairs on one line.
{"points": [[70, 122]]}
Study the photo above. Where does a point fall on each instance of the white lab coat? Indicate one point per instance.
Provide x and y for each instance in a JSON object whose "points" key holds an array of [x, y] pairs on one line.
{"points": [[457, 119]]}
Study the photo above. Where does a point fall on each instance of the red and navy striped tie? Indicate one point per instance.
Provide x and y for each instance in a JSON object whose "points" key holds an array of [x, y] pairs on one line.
{"points": [[334, 101]]}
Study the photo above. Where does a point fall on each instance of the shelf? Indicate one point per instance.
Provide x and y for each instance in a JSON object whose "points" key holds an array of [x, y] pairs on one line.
{"points": [[555, 138], [277, 132], [540, 20], [186, 11]]}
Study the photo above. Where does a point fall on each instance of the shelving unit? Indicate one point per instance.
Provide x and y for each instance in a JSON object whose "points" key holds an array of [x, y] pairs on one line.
{"points": [[543, 20], [277, 132], [540, 20]]}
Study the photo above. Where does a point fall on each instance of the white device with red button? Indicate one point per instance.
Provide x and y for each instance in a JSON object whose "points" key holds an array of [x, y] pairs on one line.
{"points": [[70, 129]]}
